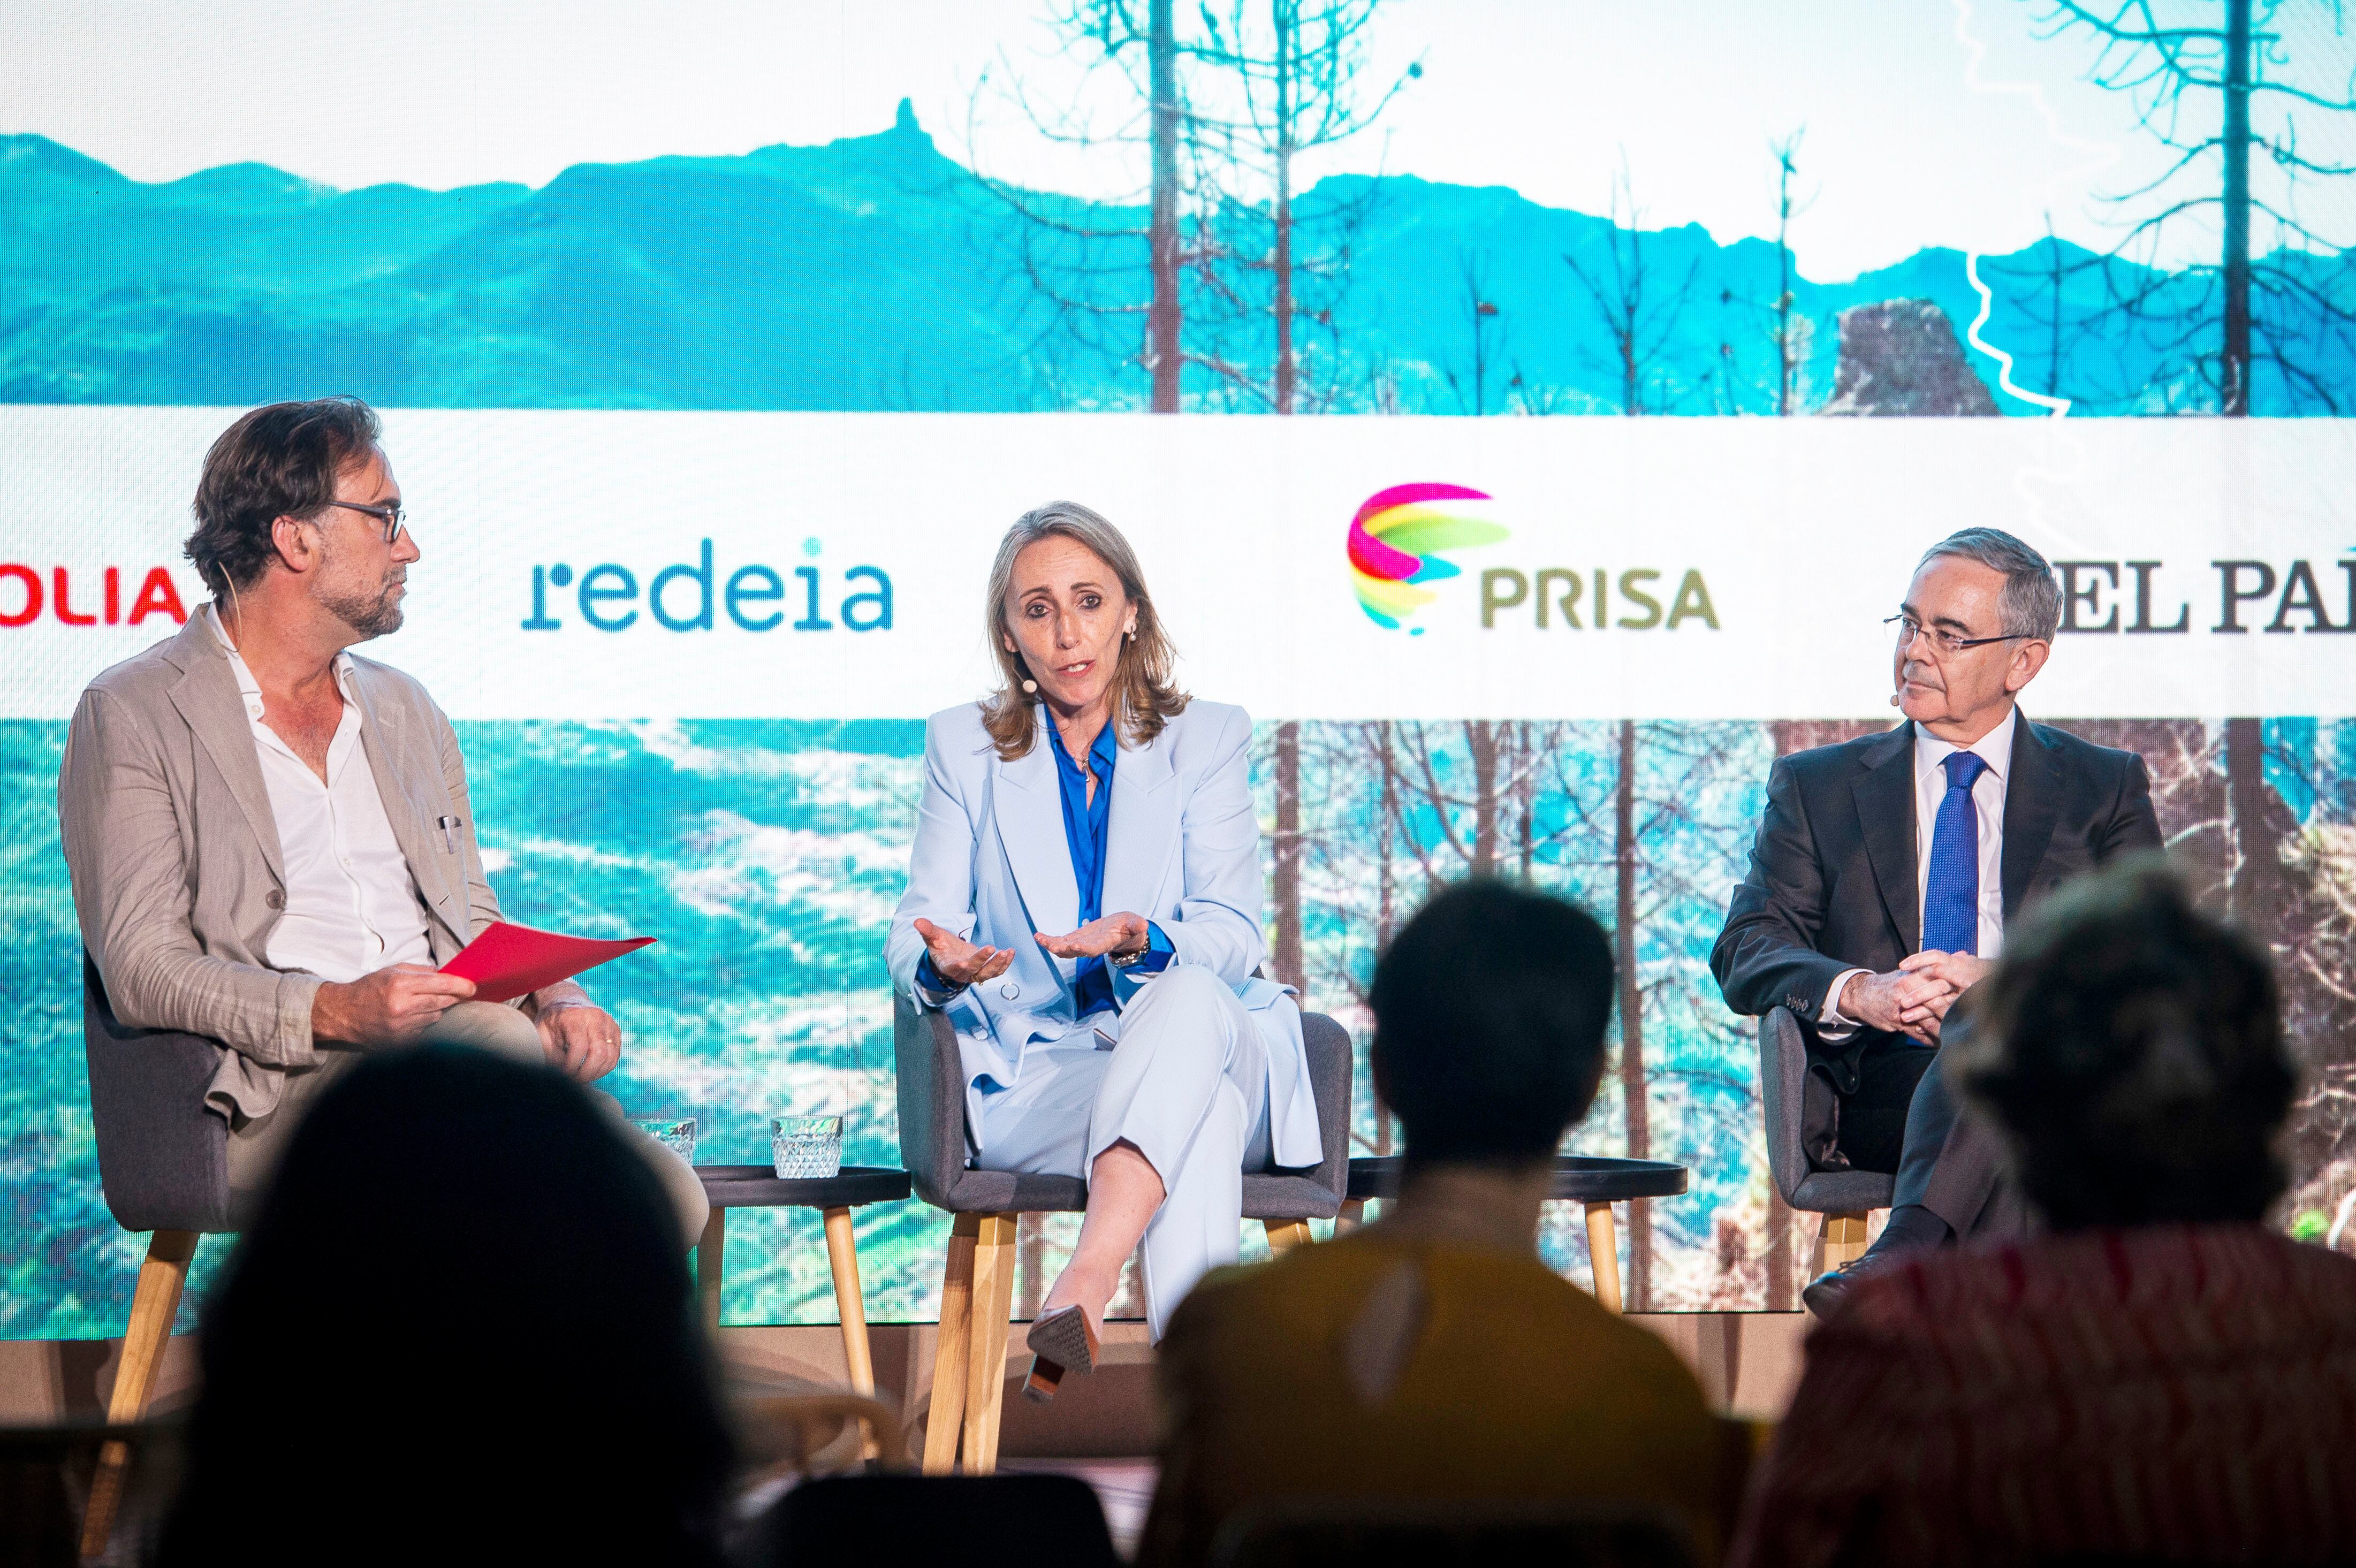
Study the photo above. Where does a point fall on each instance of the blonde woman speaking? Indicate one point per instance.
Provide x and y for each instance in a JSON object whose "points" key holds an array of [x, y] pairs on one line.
{"points": [[1083, 902]]}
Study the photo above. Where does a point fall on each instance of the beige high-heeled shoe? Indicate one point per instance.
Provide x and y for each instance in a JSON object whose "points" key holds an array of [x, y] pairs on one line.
{"points": [[1060, 1341]]}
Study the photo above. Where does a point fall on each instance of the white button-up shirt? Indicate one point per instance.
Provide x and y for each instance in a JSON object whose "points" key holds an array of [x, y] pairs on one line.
{"points": [[1931, 755], [351, 904]]}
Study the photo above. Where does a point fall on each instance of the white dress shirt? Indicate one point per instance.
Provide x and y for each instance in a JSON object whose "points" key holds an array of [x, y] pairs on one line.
{"points": [[1931, 755], [352, 907]]}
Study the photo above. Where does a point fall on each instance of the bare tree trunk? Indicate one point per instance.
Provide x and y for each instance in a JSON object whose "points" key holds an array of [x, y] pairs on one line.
{"points": [[1162, 317], [1481, 740], [2053, 327], [2258, 891], [1480, 365], [1030, 1249], [2256, 858], [1286, 21], [1781, 1296], [1525, 793], [1290, 967], [1387, 890], [2234, 377], [1632, 1021], [1785, 155]]}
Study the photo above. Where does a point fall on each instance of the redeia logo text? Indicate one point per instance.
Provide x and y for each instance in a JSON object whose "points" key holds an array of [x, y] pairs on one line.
{"points": [[692, 598]]}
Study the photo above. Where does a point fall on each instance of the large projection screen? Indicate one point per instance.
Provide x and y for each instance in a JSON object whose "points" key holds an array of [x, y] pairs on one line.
{"points": [[717, 344]]}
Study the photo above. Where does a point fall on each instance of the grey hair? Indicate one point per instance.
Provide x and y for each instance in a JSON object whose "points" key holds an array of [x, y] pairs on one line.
{"points": [[2031, 606]]}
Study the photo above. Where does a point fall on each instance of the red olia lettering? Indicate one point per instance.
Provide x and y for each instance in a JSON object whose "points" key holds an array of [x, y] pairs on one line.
{"points": [[31, 609], [65, 606], [159, 597]]}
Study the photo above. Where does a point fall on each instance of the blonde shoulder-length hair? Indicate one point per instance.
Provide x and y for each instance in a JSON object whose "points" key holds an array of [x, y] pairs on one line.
{"points": [[1146, 700]]}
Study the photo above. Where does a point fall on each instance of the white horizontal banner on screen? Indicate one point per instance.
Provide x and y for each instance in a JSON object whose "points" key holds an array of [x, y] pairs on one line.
{"points": [[592, 564]]}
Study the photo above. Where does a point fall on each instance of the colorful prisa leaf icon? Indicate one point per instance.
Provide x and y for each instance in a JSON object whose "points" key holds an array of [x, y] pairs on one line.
{"points": [[1394, 542]]}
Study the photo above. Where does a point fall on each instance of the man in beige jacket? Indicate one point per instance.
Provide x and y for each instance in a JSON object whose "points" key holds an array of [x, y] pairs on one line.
{"points": [[270, 840]]}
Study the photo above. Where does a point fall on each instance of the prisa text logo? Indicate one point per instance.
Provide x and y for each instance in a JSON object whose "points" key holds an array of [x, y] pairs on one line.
{"points": [[691, 598], [1553, 595], [25, 593], [1394, 542]]}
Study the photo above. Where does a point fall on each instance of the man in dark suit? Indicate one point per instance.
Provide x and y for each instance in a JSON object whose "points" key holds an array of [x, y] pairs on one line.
{"points": [[1887, 868]]}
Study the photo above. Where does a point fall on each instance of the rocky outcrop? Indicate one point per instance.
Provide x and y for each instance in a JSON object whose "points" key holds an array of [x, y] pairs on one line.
{"points": [[1901, 357]]}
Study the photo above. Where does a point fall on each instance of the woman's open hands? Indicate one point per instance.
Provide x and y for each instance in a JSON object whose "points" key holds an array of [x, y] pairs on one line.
{"points": [[1113, 933], [959, 962]]}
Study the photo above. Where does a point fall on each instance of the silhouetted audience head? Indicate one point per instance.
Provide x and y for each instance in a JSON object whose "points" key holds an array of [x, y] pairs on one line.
{"points": [[1489, 1015], [460, 1330], [2131, 1048]]}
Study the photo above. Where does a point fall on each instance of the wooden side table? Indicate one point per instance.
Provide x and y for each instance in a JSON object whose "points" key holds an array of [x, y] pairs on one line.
{"points": [[1592, 1180], [756, 1187]]}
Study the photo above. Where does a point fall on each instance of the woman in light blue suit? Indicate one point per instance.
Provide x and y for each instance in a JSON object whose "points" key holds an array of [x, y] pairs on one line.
{"points": [[1083, 902]]}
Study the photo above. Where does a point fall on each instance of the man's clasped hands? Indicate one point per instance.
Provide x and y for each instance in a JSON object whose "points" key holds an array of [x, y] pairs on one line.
{"points": [[1914, 999]]}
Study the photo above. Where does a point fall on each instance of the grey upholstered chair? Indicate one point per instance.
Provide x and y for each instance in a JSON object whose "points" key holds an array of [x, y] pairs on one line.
{"points": [[978, 1285], [1844, 1198], [163, 1160]]}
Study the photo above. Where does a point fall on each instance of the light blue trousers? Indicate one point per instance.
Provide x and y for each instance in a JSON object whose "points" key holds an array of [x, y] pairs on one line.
{"points": [[1187, 1084]]}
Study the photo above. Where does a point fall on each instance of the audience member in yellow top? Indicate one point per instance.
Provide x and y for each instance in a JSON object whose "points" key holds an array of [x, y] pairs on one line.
{"points": [[1432, 1355]]}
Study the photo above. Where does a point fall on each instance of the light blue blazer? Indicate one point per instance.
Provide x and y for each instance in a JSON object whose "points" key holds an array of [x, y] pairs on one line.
{"points": [[991, 863]]}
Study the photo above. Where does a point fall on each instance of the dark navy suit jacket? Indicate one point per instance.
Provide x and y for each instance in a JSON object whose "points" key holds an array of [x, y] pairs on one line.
{"points": [[1832, 883]]}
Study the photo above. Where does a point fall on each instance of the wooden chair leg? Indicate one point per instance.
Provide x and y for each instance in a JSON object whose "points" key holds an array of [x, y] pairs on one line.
{"points": [[157, 1301], [1283, 1235], [1353, 1215], [1603, 1248], [711, 1258], [850, 1308], [952, 1348], [993, 1299], [1840, 1240]]}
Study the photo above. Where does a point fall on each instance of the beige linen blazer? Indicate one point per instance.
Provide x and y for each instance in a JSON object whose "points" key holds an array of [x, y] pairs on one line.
{"points": [[178, 877]]}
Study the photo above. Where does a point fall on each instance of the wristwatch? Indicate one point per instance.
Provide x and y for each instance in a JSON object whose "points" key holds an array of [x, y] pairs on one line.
{"points": [[1123, 960]]}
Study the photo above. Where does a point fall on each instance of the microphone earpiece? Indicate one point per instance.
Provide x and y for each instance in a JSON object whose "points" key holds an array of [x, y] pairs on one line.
{"points": [[1893, 700]]}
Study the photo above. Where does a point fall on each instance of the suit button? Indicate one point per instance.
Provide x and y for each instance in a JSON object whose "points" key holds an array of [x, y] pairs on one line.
{"points": [[275, 898], [1010, 990]]}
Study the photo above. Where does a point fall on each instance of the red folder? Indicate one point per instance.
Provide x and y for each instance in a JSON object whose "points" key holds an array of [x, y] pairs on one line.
{"points": [[506, 961]]}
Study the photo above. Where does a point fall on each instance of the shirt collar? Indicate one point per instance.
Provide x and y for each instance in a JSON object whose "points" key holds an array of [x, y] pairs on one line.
{"points": [[1995, 749], [251, 688]]}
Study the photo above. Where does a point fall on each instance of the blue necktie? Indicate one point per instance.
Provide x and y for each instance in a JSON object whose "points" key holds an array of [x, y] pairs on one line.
{"points": [[1950, 903]]}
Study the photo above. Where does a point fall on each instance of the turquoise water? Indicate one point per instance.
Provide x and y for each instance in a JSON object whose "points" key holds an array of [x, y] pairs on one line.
{"points": [[768, 855]]}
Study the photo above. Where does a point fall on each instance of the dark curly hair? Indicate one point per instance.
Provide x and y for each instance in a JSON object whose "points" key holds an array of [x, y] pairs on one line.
{"points": [[278, 460], [2131, 1049]]}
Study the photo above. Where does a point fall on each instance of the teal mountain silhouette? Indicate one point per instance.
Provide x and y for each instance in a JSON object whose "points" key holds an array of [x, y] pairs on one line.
{"points": [[876, 273]]}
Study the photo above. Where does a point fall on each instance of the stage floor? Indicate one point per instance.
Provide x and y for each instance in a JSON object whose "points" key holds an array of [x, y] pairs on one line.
{"points": [[1748, 1363]]}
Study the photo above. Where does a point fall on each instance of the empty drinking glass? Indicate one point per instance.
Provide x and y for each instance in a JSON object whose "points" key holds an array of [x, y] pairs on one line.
{"points": [[805, 1148], [676, 1134]]}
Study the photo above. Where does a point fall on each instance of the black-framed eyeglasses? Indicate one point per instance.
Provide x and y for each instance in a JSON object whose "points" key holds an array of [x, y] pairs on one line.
{"points": [[394, 518], [1909, 628]]}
